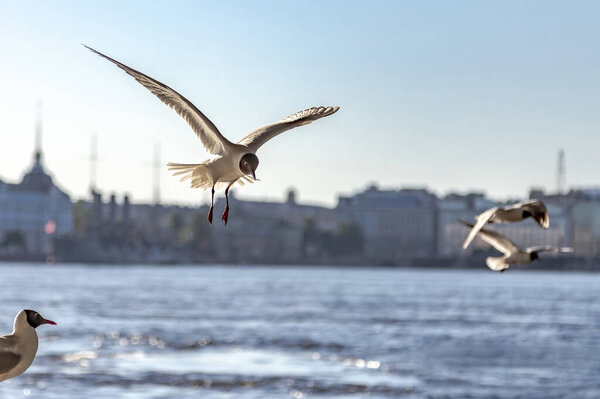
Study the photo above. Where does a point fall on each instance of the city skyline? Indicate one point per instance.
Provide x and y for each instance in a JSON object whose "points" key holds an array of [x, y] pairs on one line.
{"points": [[435, 83], [92, 187]]}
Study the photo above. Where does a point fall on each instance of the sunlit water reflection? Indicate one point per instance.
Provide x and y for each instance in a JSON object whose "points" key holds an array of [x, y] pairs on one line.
{"points": [[304, 332]]}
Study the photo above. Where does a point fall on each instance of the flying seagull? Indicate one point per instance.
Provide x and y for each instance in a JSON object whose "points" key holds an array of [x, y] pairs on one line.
{"points": [[509, 214], [512, 254], [230, 162], [17, 350]]}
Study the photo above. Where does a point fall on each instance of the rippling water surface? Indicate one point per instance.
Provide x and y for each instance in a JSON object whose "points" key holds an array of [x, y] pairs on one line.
{"points": [[304, 332]]}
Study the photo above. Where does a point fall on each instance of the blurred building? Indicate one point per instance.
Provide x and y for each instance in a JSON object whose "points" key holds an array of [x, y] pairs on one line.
{"points": [[583, 208], [116, 231], [33, 211], [271, 232], [586, 228], [451, 233], [396, 224]]}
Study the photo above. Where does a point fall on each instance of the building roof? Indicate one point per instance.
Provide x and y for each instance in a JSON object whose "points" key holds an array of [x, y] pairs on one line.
{"points": [[403, 198], [36, 180]]}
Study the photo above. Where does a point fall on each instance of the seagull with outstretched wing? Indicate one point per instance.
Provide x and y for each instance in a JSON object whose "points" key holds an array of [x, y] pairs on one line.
{"points": [[509, 214], [230, 162], [18, 349], [512, 253]]}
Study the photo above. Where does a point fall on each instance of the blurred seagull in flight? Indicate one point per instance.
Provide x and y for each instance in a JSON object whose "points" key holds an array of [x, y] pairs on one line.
{"points": [[17, 350], [230, 162], [512, 254], [510, 214]]}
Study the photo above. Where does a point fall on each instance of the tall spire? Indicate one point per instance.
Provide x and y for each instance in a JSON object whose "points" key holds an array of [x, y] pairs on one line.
{"points": [[37, 179], [38, 131]]}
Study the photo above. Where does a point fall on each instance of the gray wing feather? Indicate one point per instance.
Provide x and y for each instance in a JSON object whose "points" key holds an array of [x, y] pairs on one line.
{"points": [[8, 360], [207, 132], [260, 136], [548, 248]]}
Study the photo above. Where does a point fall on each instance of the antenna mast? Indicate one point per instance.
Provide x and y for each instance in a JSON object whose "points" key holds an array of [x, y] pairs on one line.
{"points": [[38, 130], [561, 180]]}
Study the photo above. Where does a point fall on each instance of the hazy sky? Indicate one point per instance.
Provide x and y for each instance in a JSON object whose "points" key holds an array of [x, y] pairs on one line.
{"points": [[450, 95]]}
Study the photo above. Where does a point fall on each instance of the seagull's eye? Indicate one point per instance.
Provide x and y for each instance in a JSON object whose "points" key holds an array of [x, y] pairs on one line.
{"points": [[37, 315]]}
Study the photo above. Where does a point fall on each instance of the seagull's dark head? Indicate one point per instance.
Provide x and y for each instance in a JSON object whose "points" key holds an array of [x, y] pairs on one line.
{"points": [[35, 319], [533, 256], [248, 164]]}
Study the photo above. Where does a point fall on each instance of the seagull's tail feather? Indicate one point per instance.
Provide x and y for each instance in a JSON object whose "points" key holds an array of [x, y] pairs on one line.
{"points": [[197, 173]]}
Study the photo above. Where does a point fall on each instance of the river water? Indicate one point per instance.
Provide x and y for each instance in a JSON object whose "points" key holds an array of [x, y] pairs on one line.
{"points": [[146, 332]]}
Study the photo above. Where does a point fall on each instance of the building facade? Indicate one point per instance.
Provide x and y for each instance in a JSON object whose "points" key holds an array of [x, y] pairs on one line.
{"points": [[396, 224], [271, 232], [32, 212], [451, 233]]}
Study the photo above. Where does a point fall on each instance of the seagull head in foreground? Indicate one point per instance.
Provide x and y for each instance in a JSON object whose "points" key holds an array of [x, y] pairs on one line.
{"points": [[517, 212], [18, 349], [248, 165], [513, 255], [34, 319], [230, 162]]}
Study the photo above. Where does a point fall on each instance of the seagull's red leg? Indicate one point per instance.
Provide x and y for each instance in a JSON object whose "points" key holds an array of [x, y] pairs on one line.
{"points": [[226, 211], [212, 201]]}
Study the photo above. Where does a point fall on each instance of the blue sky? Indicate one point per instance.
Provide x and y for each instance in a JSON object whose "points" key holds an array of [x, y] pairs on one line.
{"points": [[448, 95]]}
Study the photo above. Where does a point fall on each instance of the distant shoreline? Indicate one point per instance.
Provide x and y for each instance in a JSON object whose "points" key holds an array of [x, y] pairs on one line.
{"points": [[563, 266]]}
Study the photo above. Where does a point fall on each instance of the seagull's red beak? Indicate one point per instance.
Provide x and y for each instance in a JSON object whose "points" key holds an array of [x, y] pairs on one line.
{"points": [[46, 321]]}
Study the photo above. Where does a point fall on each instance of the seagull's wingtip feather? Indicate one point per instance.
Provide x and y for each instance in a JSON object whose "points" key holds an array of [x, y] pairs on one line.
{"points": [[465, 223]]}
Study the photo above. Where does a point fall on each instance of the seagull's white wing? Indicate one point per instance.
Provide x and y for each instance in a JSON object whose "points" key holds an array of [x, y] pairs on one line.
{"points": [[521, 204], [207, 132], [482, 219], [496, 240], [538, 211], [536, 208], [260, 136], [548, 248]]}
